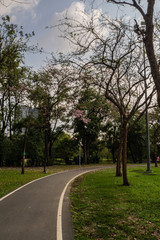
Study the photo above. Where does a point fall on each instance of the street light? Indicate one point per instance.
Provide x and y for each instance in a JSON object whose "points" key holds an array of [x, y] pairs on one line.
{"points": [[141, 32], [80, 145], [143, 26]]}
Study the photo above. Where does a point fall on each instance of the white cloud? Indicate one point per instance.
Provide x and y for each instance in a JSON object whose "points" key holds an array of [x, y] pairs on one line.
{"points": [[11, 7], [53, 39]]}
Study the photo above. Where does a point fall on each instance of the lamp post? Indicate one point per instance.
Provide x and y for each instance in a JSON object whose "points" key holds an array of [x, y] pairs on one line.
{"points": [[147, 117], [80, 145], [24, 149]]}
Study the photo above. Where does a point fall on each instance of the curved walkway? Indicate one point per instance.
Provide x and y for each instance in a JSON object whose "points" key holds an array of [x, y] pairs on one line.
{"points": [[34, 212]]}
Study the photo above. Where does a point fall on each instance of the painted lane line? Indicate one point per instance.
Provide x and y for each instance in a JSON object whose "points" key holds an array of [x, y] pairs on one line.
{"points": [[17, 189], [60, 205], [38, 179]]}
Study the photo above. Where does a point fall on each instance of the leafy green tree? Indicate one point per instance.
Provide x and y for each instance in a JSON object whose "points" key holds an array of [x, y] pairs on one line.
{"points": [[111, 138], [49, 95], [12, 150], [13, 75], [35, 146], [65, 148]]}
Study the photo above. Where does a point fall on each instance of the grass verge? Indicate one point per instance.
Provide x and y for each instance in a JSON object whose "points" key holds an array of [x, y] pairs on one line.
{"points": [[103, 208], [11, 178]]}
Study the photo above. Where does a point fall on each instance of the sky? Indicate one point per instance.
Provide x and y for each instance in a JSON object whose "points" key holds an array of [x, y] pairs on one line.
{"points": [[36, 15]]}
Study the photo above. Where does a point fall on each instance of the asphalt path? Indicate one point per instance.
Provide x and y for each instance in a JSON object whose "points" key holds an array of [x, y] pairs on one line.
{"points": [[31, 213]]}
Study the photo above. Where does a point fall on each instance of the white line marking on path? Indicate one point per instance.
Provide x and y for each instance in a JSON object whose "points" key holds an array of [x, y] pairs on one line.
{"points": [[60, 205], [7, 195]]}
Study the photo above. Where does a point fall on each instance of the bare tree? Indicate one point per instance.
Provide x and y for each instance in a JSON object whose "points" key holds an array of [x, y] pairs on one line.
{"points": [[123, 85], [114, 62], [147, 35]]}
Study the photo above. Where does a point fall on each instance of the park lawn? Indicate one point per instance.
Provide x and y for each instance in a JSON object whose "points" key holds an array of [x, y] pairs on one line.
{"points": [[11, 178], [103, 208]]}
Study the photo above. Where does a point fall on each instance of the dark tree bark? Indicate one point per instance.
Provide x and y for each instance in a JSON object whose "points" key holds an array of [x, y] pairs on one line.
{"points": [[124, 154], [119, 158]]}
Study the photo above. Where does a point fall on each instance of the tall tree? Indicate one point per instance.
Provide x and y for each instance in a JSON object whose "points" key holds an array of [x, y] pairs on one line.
{"points": [[146, 9], [13, 75], [115, 63], [49, 95]]}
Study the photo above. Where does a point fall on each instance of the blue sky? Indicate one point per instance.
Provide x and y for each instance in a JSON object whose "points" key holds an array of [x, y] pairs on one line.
{"points": [[35, 15]]}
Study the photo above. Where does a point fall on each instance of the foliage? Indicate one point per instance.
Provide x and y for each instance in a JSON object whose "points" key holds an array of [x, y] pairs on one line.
{"points": [[137, 140], [104, 67], [111, 138], [49, 93], [65, 148], [35, 147], [12, 151], [13, 75]]}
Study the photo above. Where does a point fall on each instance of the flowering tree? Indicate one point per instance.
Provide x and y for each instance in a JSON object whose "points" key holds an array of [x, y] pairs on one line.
{"points": [[88, 118]]}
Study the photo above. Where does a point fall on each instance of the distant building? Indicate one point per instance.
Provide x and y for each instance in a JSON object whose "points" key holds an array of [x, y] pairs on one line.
{"points": [[26, 111]]}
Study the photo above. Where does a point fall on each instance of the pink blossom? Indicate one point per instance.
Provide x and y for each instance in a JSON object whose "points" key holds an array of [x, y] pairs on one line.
{"points": [[81, 115], [85, 120], [78, 113], [22, 86]]}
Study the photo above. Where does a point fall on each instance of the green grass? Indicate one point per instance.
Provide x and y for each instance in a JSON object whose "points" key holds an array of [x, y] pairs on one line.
{"points": [[11, 178], [103, 208]]}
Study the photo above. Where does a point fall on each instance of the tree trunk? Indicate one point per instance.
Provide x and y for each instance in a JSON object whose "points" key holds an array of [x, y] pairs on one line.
{"points": [[113, 145], [119, 158], [124, 155], [148, 41]]}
